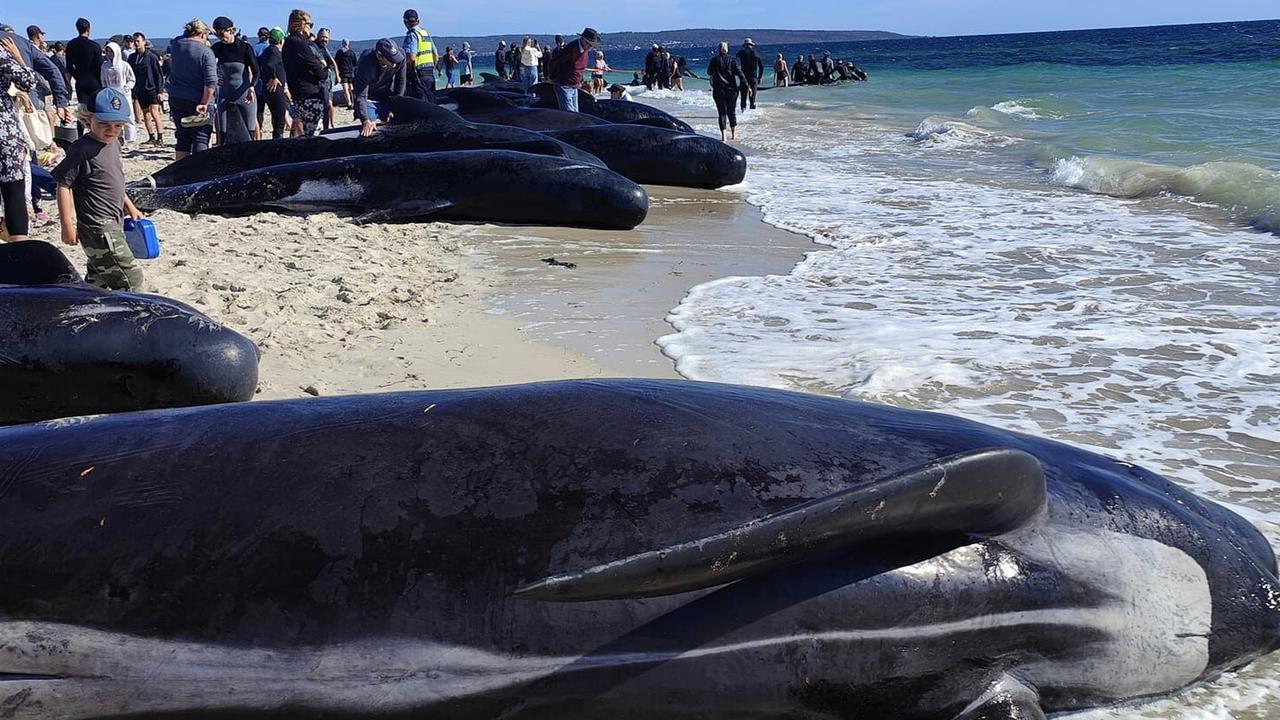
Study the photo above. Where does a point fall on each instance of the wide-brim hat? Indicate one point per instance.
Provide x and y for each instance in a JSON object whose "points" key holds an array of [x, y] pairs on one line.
{"points": [[590, 35]]}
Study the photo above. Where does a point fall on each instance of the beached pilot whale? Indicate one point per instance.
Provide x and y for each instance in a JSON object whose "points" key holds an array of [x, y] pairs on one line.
{"points": [[656, 156], [602, 549], [68, 348], [482, 106], [445, 132], [464, 185]]}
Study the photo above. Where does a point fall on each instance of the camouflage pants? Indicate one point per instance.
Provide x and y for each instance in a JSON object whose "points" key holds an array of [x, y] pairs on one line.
{"points": [[111, 264]]}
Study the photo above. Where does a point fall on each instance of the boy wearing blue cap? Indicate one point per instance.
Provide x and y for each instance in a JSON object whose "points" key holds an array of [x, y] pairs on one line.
{"points": [[91, 197]]}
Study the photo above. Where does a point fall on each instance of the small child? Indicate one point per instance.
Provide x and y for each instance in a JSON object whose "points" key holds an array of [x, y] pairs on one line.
{"points": [[91, 178]]}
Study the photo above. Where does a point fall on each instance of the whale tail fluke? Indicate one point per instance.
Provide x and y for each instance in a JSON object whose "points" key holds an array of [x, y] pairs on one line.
{"points": [[957, 500]]}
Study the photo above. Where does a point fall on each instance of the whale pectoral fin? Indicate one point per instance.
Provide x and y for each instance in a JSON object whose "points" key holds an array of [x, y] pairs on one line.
{"points": [[417, 209], [1008, 699], [951, 502]]}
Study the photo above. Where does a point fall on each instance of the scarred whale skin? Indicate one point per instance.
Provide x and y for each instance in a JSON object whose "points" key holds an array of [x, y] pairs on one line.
{"points": [[465, 185], [602, 549], [69, 348], [438, 134]]}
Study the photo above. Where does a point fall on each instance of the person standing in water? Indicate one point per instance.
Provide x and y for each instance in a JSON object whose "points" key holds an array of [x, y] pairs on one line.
{"points": [[780, 75], [752, 70], [726, 77]]}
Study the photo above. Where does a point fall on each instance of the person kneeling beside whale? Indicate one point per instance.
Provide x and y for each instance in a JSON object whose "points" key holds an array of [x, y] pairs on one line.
{"points": [[380, 74]]}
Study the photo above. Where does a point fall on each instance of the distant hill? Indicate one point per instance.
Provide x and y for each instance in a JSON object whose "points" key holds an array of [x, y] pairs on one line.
{"points": [[695, 37]]}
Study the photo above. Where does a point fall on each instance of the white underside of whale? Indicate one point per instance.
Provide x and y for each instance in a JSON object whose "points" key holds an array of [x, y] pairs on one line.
{"points": [[1155, 613]]}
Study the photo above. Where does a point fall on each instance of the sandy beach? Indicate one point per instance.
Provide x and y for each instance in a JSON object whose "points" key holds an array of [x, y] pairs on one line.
{"points": [[337, 309]]}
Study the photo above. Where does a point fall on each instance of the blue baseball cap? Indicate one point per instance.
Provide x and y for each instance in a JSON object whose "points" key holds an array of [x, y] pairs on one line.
{"points": [[110, 105]]}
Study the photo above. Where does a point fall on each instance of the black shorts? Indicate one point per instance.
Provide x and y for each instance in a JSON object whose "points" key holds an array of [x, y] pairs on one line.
{"points": [[145, 98]]}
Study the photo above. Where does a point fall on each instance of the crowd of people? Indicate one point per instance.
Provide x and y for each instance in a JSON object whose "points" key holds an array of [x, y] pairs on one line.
{"points": [[211, 80]]}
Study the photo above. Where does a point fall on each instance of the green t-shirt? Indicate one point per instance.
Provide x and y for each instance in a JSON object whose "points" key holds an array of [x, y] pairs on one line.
{"points": [[95, 174]]}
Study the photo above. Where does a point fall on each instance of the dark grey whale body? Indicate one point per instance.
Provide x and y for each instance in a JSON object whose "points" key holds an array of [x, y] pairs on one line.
{"points": [[68, 348], [464, 185], [630, 111], [656, 156], [482, 106], [446, 133], [607, 549]]}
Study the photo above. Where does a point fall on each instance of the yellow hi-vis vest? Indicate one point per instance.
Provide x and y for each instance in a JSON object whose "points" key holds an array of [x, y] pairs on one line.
{"points": [[424, 54]]}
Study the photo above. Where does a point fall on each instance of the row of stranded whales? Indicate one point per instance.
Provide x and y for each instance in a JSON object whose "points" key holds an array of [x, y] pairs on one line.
{"points": [[641, 153], [73, 349], [430, 134], [621, 549], [462, 185]]}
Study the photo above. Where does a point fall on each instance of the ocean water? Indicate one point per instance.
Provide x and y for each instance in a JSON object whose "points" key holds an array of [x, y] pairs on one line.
{"points": [[1066, 234]]}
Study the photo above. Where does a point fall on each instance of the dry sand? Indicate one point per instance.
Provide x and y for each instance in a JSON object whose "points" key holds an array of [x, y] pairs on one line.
{"points": [[336, 308]]}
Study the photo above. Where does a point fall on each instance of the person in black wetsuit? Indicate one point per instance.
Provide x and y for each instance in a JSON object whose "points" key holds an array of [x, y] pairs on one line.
{"points": [[725, 77], [815, 74], [651, 67], [84, 63], [828, 67], [275, 91], [237, 71], [797, 71], [500, 59], [752, 68]]}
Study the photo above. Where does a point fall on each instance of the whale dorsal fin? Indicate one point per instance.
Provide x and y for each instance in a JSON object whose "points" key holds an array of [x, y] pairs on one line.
{"points": [[964, 497], [34, 262]]}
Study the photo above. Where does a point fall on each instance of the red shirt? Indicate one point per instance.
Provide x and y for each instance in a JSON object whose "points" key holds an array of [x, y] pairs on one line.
{"points": [[568, 64]]}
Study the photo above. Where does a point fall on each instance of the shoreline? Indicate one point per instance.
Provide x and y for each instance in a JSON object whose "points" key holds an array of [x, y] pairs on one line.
{"points": [[340, 309]]}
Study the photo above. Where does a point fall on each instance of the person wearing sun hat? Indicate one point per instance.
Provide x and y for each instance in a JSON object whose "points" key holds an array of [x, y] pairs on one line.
{"points": [[91, 197], [752, 66]]}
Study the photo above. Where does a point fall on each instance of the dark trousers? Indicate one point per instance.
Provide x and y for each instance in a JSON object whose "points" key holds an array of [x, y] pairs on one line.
{"points": [[425, 87], [14, 194], [726, 102], [748, 93], [276, 102]]}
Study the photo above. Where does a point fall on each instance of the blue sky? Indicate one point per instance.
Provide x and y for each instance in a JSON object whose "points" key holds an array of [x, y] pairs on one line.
{"points": [[359, 19]]}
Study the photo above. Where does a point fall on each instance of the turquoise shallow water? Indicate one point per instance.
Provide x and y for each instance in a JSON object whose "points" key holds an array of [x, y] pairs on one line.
{"points": [[1066, 234]]}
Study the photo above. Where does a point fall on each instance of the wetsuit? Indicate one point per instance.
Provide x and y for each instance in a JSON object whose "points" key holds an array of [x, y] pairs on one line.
{"points": [[236, 107], [815, 75], [272, 66], [500, 62], [797, 71], [84, 62], [650, 69], [828, 69], [374, 83], [725, 77], [752, 68]]}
